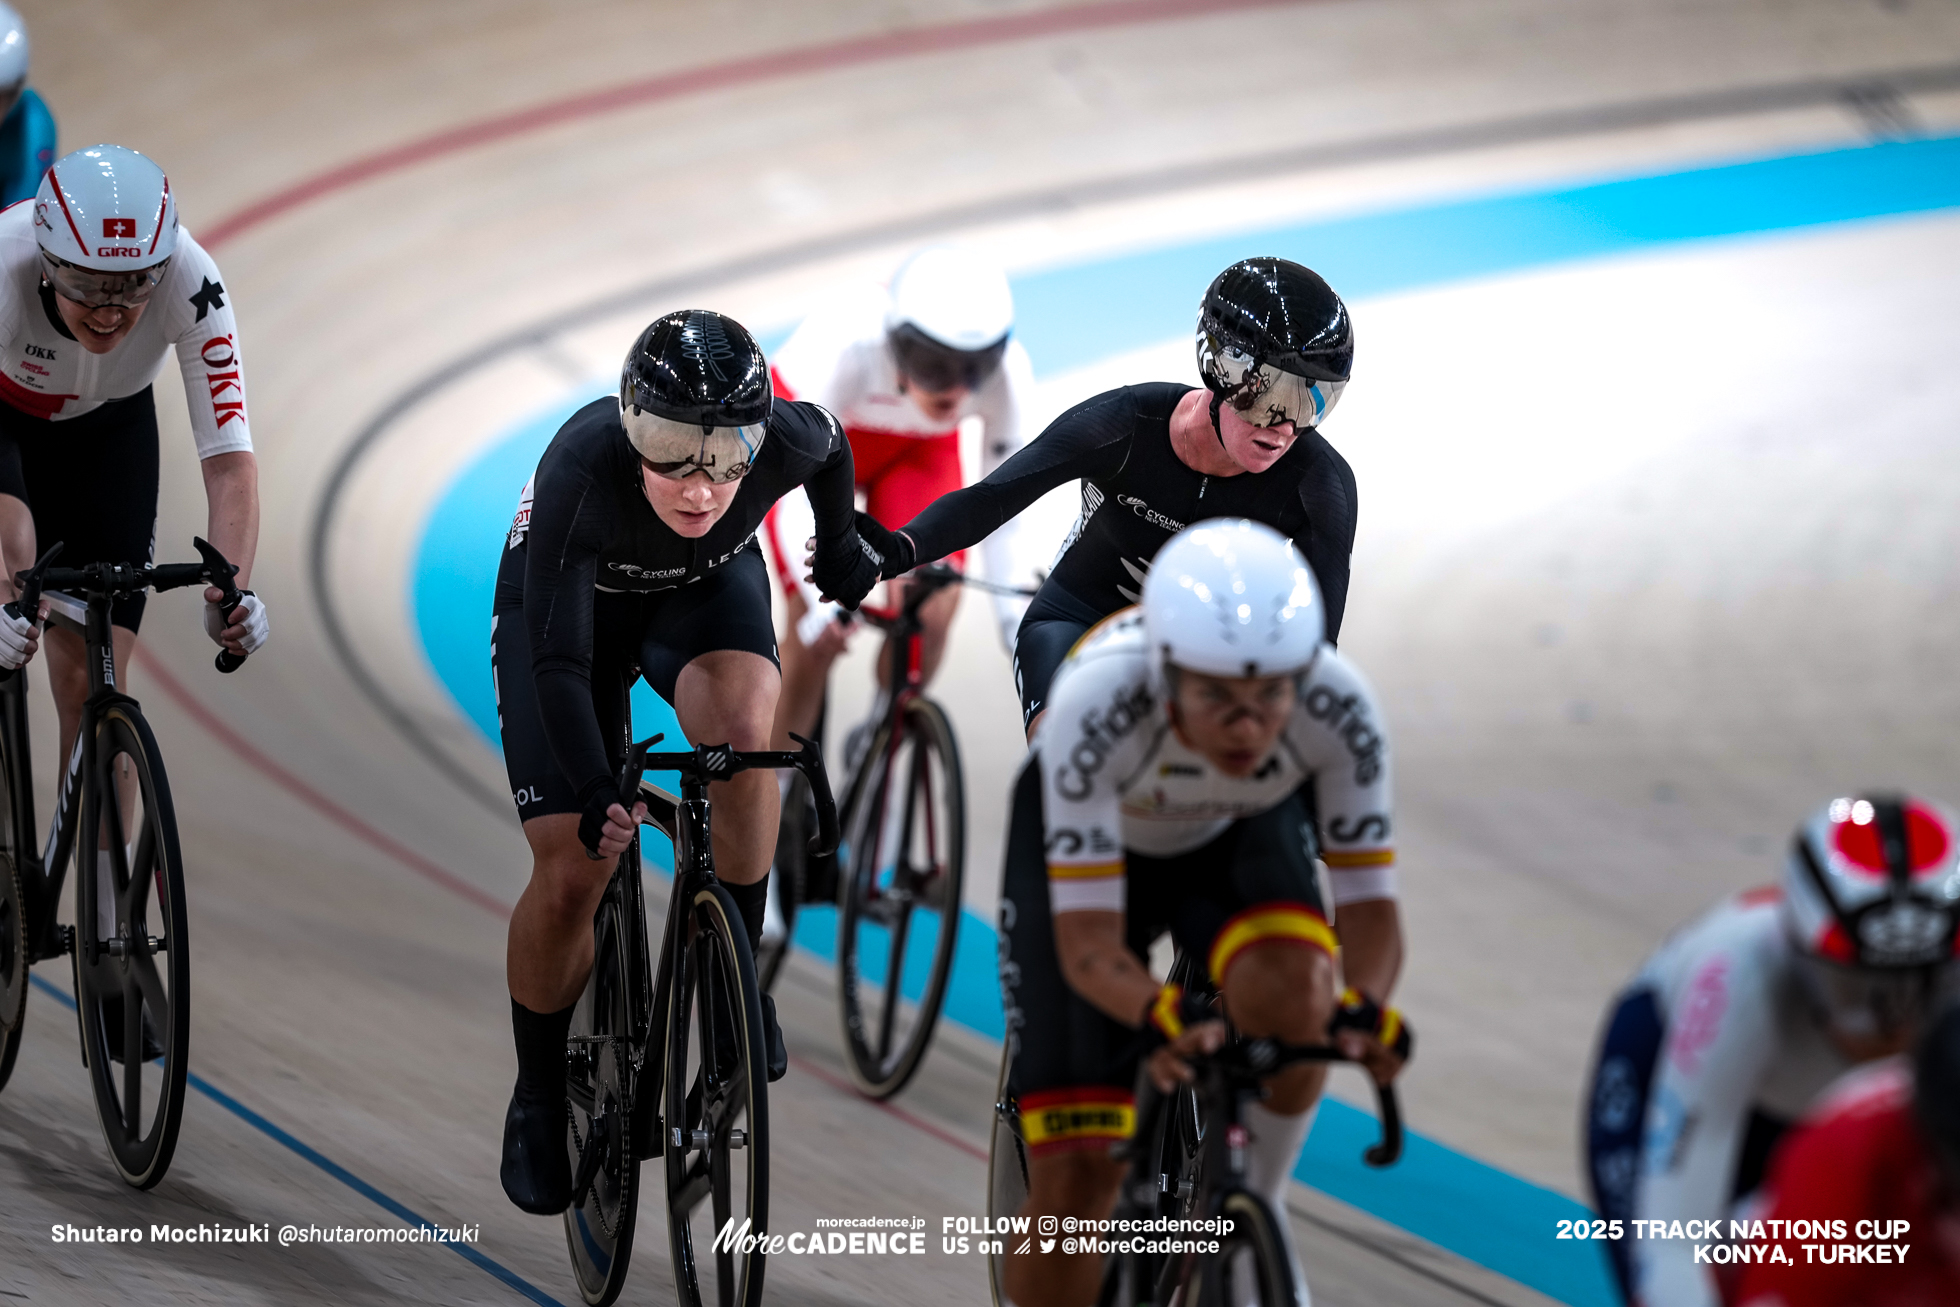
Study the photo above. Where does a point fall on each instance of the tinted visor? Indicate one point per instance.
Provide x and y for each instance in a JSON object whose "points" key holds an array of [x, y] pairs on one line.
{"points": [[677, 450], [1262, 394], [1870, 1003], [101, 290], [935, 366]]}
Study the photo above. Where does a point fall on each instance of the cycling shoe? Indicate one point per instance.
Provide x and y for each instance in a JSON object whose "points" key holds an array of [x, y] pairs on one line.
{"points": [[537, 1168]]}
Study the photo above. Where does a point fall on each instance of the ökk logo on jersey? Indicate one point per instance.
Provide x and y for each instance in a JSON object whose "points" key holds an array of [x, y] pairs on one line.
{"points": [[119, 229]]}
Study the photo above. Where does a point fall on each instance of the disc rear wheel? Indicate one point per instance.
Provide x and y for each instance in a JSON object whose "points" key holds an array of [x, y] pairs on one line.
{"points": [[132, 955]]}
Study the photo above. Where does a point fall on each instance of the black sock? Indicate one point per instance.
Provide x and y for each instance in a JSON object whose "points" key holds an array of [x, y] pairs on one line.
{"points": [[540, 1051], [753, 901]]}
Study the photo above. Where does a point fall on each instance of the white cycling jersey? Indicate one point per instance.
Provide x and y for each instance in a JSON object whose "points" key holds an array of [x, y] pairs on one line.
{"points": [[1115, 774], [1739, 1038], [45, 373], [839, 358]]}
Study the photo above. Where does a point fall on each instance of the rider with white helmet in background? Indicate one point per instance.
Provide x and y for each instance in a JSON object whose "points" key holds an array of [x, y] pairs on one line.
{"points": [[1275, 346], [1163, 793], [1731, 1030], [97, 286], [902, 368], [26, 126]]}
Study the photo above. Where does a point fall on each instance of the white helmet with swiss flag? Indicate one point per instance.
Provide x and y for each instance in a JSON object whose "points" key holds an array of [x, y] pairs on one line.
{"points": [[106, 224]]}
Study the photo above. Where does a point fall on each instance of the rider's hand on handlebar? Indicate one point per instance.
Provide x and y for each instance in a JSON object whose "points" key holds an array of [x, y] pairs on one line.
{"points": [[1375, 1036], [19, 638], [1167, 1066], [244, 629], [606, 833]]}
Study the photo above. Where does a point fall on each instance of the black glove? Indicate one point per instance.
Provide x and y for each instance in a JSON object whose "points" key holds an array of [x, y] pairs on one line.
{"points": [[894, 547], [846, 568], [1359, 1012], [599, 796]]}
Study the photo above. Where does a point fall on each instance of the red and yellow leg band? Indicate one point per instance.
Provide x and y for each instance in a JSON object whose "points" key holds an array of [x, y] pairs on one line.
{"points": [[1075, 1120], [1270, 923]]}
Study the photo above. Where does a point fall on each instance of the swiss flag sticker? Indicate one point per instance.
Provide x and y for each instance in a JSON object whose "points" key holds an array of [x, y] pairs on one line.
{"points": [[119, 228]]}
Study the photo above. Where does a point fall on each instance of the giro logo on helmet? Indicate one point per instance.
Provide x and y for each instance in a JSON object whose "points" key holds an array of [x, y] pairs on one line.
{"points": [[119, 229], [119, 251]]}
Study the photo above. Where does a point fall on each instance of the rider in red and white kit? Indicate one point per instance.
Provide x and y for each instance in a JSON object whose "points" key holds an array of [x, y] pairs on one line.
{"points": [[902, 368], [1743, 1017], [98, 285]]}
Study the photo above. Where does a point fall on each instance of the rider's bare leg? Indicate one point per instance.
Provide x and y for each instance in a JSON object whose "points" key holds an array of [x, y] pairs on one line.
{"points": [[806, 670], [1082, 1185], [729, 697]]}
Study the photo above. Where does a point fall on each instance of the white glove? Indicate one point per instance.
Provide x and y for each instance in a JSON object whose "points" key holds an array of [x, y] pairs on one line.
{"points": [[821, 615], [14, 634], [254, 622]]}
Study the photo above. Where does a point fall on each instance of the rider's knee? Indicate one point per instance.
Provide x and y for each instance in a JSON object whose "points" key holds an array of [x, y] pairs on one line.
{"points": [[1281, 988], [567, 883]]}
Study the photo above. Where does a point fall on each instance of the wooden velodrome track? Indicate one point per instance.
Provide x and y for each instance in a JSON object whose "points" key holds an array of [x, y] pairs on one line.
{"points": [[1652, 557]]}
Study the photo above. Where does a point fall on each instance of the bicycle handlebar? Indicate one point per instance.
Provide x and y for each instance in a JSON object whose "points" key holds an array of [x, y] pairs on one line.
{"points": [[1243, 1063], [932, 578], [718, 762], [128, 578]]}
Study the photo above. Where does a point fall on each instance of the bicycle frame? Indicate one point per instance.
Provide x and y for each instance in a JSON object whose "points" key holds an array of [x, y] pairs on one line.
{"points": [[43, 876]]}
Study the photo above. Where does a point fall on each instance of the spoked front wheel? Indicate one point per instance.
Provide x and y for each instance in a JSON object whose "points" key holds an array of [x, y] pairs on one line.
{"points": [[132, 954], [598, 1069], [898, 922], [716, 1110]]}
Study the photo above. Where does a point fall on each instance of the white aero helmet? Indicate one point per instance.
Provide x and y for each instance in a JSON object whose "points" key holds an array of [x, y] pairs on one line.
{"points": [[13, 48], [1231, 597], [106, 224], [949, 317], [1871, 900]]}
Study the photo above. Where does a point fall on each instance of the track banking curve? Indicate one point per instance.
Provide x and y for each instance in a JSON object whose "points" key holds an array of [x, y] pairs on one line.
{"points": [[376, 1105]]}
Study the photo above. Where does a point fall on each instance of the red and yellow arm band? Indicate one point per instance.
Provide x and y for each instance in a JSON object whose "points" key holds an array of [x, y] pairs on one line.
{"points": [[1271, 923], [1097, 887], [1359, 1012], [1166, 1012]]}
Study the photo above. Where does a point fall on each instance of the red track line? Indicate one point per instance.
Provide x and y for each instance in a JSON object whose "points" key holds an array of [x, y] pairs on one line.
{"points": [[944, 1136], [263, 763], [713, 77]]}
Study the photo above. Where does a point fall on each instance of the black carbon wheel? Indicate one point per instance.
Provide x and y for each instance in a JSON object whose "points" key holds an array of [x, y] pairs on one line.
{"points": [[716, 1110], [599, 1224], [899, 916], [132, 954]]}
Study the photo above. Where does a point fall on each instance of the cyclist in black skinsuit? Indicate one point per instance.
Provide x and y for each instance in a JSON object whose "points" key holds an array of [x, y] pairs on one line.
{"points": [[633, 554], [1275, 348]]}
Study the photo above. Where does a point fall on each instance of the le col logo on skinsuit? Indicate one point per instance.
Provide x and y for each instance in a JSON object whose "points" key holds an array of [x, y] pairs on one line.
{"points": [[119, 229]]}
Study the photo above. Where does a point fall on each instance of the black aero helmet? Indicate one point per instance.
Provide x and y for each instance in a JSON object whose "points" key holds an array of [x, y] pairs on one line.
{"points": [[1274, 342], [694, 395]]}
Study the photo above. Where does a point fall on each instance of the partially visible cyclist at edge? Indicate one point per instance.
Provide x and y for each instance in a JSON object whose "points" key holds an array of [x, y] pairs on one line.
{"points": [[1275, 348], [1882, 1146], [902, 368], [26, 126], [633, 554], [98, 285], [1162, 793], [1742, 1017]]}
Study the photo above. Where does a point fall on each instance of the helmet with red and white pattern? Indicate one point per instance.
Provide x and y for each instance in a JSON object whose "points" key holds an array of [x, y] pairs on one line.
{"points": [[1874, 882]]}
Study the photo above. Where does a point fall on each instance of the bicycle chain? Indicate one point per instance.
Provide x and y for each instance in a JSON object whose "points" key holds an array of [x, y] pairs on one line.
{"points": [[611, 1227]]}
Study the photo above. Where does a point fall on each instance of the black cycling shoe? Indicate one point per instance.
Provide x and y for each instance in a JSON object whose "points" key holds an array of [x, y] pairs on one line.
{"points": [[537, 1168], [112, 1031], [772, 1038]]}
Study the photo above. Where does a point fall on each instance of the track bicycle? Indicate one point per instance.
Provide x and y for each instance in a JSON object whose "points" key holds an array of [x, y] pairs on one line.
{"points": [[902, 866], [690, 1089], [1186, 1161], [130, 951]]}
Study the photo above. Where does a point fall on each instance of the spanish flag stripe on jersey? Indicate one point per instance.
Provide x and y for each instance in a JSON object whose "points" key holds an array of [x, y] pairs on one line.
{"points": [[1358, 858], [1058, 1120], [1093, 871]]}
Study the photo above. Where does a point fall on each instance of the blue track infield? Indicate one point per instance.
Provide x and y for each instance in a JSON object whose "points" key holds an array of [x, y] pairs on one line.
{"points": [[1072, 316]]}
